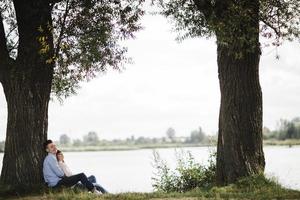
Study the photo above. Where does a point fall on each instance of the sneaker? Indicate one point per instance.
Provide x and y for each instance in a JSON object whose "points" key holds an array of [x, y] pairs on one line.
{"points": [[96, 192]]}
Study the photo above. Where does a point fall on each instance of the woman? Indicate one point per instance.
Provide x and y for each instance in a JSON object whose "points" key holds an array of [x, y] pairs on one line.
{"points": [[67, 171]]}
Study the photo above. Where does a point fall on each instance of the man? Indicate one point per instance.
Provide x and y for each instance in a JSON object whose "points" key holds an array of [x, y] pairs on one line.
{"points": [[55, 177]]}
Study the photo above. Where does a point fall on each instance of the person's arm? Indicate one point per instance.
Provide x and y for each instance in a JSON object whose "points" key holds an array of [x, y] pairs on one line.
{"points": [[63, 168], [55, 168]]}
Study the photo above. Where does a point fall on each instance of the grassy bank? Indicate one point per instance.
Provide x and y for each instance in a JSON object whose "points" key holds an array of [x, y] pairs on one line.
{"points": [[249, 188]]}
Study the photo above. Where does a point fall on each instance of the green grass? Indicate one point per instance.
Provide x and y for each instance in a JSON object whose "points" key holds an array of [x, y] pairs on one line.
{"points": [[256, 188]]}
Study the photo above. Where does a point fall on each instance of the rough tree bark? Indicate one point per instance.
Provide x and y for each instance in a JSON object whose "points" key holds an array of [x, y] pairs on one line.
{"points": [[27, 85], [240, 151]]}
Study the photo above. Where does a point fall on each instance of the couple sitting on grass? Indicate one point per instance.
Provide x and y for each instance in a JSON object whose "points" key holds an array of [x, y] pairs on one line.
{"points": [[57, 173]]}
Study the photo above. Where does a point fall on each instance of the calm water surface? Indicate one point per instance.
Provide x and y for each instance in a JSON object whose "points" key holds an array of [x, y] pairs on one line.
{"points": [[123, 171]]}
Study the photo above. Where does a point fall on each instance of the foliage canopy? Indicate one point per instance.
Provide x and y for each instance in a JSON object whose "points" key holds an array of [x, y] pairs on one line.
{"points": [[87, 36]]}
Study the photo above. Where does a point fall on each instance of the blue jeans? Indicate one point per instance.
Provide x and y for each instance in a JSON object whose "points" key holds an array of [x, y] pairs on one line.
{"points": [[93, 180], [73, 180]]}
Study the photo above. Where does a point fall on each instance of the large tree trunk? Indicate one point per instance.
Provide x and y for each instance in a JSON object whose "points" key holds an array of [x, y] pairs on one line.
{"points": [[240, 148], [27, 104], [240, 151], [27, 85]]}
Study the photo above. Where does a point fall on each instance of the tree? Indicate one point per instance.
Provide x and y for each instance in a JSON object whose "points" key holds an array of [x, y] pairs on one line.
{"points": [[91, 138], [291, 131], [171, 134], [236, 25], [267, 133], [298, 131], [287, 130], [64, 139], [77, 142], [142, 140], [197, 136], [296, 122], [51, 46]]}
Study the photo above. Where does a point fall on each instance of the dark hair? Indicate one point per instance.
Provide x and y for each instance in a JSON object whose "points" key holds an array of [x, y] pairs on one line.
{"points": [[46, 143], [57, 152]]}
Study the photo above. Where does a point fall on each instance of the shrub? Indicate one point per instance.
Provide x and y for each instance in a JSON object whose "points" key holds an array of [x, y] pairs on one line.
{"points": [[187, 175]]}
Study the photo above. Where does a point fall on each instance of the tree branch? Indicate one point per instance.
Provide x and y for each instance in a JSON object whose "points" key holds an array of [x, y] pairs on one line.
{"points": [[5, 60], [205, 6], [4, 55], [63, 23], [277, 32], [54, 1]]}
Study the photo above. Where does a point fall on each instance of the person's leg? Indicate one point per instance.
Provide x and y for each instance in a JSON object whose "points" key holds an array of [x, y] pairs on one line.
{"points": [[72, 180], [79, 186], [92, 179], [100, 188]]}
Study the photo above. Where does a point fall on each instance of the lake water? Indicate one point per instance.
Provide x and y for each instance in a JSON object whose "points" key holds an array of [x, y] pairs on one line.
{"points": [[123, 171]]}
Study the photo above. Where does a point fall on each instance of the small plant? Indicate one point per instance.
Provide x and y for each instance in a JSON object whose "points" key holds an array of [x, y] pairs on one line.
{"points": [[187, 175]]}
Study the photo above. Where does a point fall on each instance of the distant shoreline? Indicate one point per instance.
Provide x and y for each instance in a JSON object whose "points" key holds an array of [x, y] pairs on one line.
{"points": [[123, 147], [165, 146], [129, 147], [289, 142]]}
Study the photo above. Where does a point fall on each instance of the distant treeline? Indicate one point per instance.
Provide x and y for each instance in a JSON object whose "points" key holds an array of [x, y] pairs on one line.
{"points": [[285, 130], [92, 139]]}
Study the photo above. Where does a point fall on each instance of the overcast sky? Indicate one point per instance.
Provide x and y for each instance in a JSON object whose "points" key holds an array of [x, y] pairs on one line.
{"points": [[170, 84]]}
